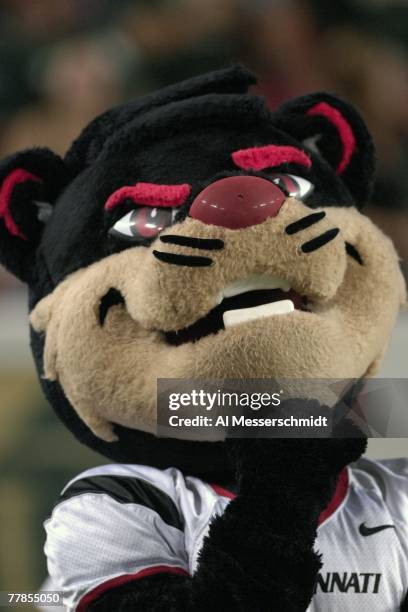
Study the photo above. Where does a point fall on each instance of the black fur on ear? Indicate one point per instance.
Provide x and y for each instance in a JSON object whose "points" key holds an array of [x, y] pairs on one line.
{"points": [[333, 129], [29, 184]]}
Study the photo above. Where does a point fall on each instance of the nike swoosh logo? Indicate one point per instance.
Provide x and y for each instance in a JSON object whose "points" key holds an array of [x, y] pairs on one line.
{"points": [[367, 531]]}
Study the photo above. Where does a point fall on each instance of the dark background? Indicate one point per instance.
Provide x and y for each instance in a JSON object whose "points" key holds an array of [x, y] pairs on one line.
{"points": [[63, 62]]}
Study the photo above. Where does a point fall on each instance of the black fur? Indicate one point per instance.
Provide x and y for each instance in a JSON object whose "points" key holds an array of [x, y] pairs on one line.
{"points": [[185, 133], [88, 146], [259, 554], [18, 255], [358, 176], [222, 117], [404, 605]]}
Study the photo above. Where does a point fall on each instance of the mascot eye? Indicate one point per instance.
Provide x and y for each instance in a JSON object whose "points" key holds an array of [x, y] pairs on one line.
{"points": [[294, 186], [143, 223]]}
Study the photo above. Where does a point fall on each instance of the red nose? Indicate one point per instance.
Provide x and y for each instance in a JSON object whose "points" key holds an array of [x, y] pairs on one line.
{"points": [[237, 201]]}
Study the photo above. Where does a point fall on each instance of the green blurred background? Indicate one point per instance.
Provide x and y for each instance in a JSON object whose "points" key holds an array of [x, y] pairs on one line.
{"points": [[63, 62]]}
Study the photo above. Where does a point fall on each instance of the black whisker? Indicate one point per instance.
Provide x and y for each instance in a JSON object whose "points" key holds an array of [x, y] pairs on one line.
{"points": [[112, 298], [319, 241], [352, 251], [305, 222], [208, 244], [183, 260]]}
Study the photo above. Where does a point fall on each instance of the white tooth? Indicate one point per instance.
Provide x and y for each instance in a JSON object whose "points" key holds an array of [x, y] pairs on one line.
{"points": [[255, 282], [242, 315]]}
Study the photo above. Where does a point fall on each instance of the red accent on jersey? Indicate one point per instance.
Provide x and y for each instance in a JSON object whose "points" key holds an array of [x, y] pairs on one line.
{"points": [[223, 492], [124, 579], [337, 499]]}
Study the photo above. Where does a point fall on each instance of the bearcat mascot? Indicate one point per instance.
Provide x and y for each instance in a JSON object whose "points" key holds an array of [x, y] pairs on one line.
{"points": [[167, 214]]}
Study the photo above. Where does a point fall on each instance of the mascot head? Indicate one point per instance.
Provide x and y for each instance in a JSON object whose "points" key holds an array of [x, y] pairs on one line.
{"points": [[196, 234]]}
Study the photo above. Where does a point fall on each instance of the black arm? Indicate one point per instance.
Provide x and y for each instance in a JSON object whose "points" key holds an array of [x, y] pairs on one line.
{"points": [[404, 605], [259, 554], [244, 565]]}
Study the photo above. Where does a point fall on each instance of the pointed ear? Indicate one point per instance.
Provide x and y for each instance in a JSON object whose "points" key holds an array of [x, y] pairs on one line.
{"points": [[334, 130], [29, 184]]}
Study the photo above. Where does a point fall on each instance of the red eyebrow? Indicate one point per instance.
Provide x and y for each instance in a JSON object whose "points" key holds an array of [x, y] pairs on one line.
{"points": [[150, 194], [258, 158]]}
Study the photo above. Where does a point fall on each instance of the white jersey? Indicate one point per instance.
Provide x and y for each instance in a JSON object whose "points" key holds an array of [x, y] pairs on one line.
{"points": [[120, 523]]}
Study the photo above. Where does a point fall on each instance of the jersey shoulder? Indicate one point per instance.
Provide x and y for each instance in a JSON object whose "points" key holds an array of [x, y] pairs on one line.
{"points": [[387, 479], [114, 522], [166, 480]]}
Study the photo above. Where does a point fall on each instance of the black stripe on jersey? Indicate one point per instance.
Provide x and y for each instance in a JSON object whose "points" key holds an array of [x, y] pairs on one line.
{"points": [[127, 490]]}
